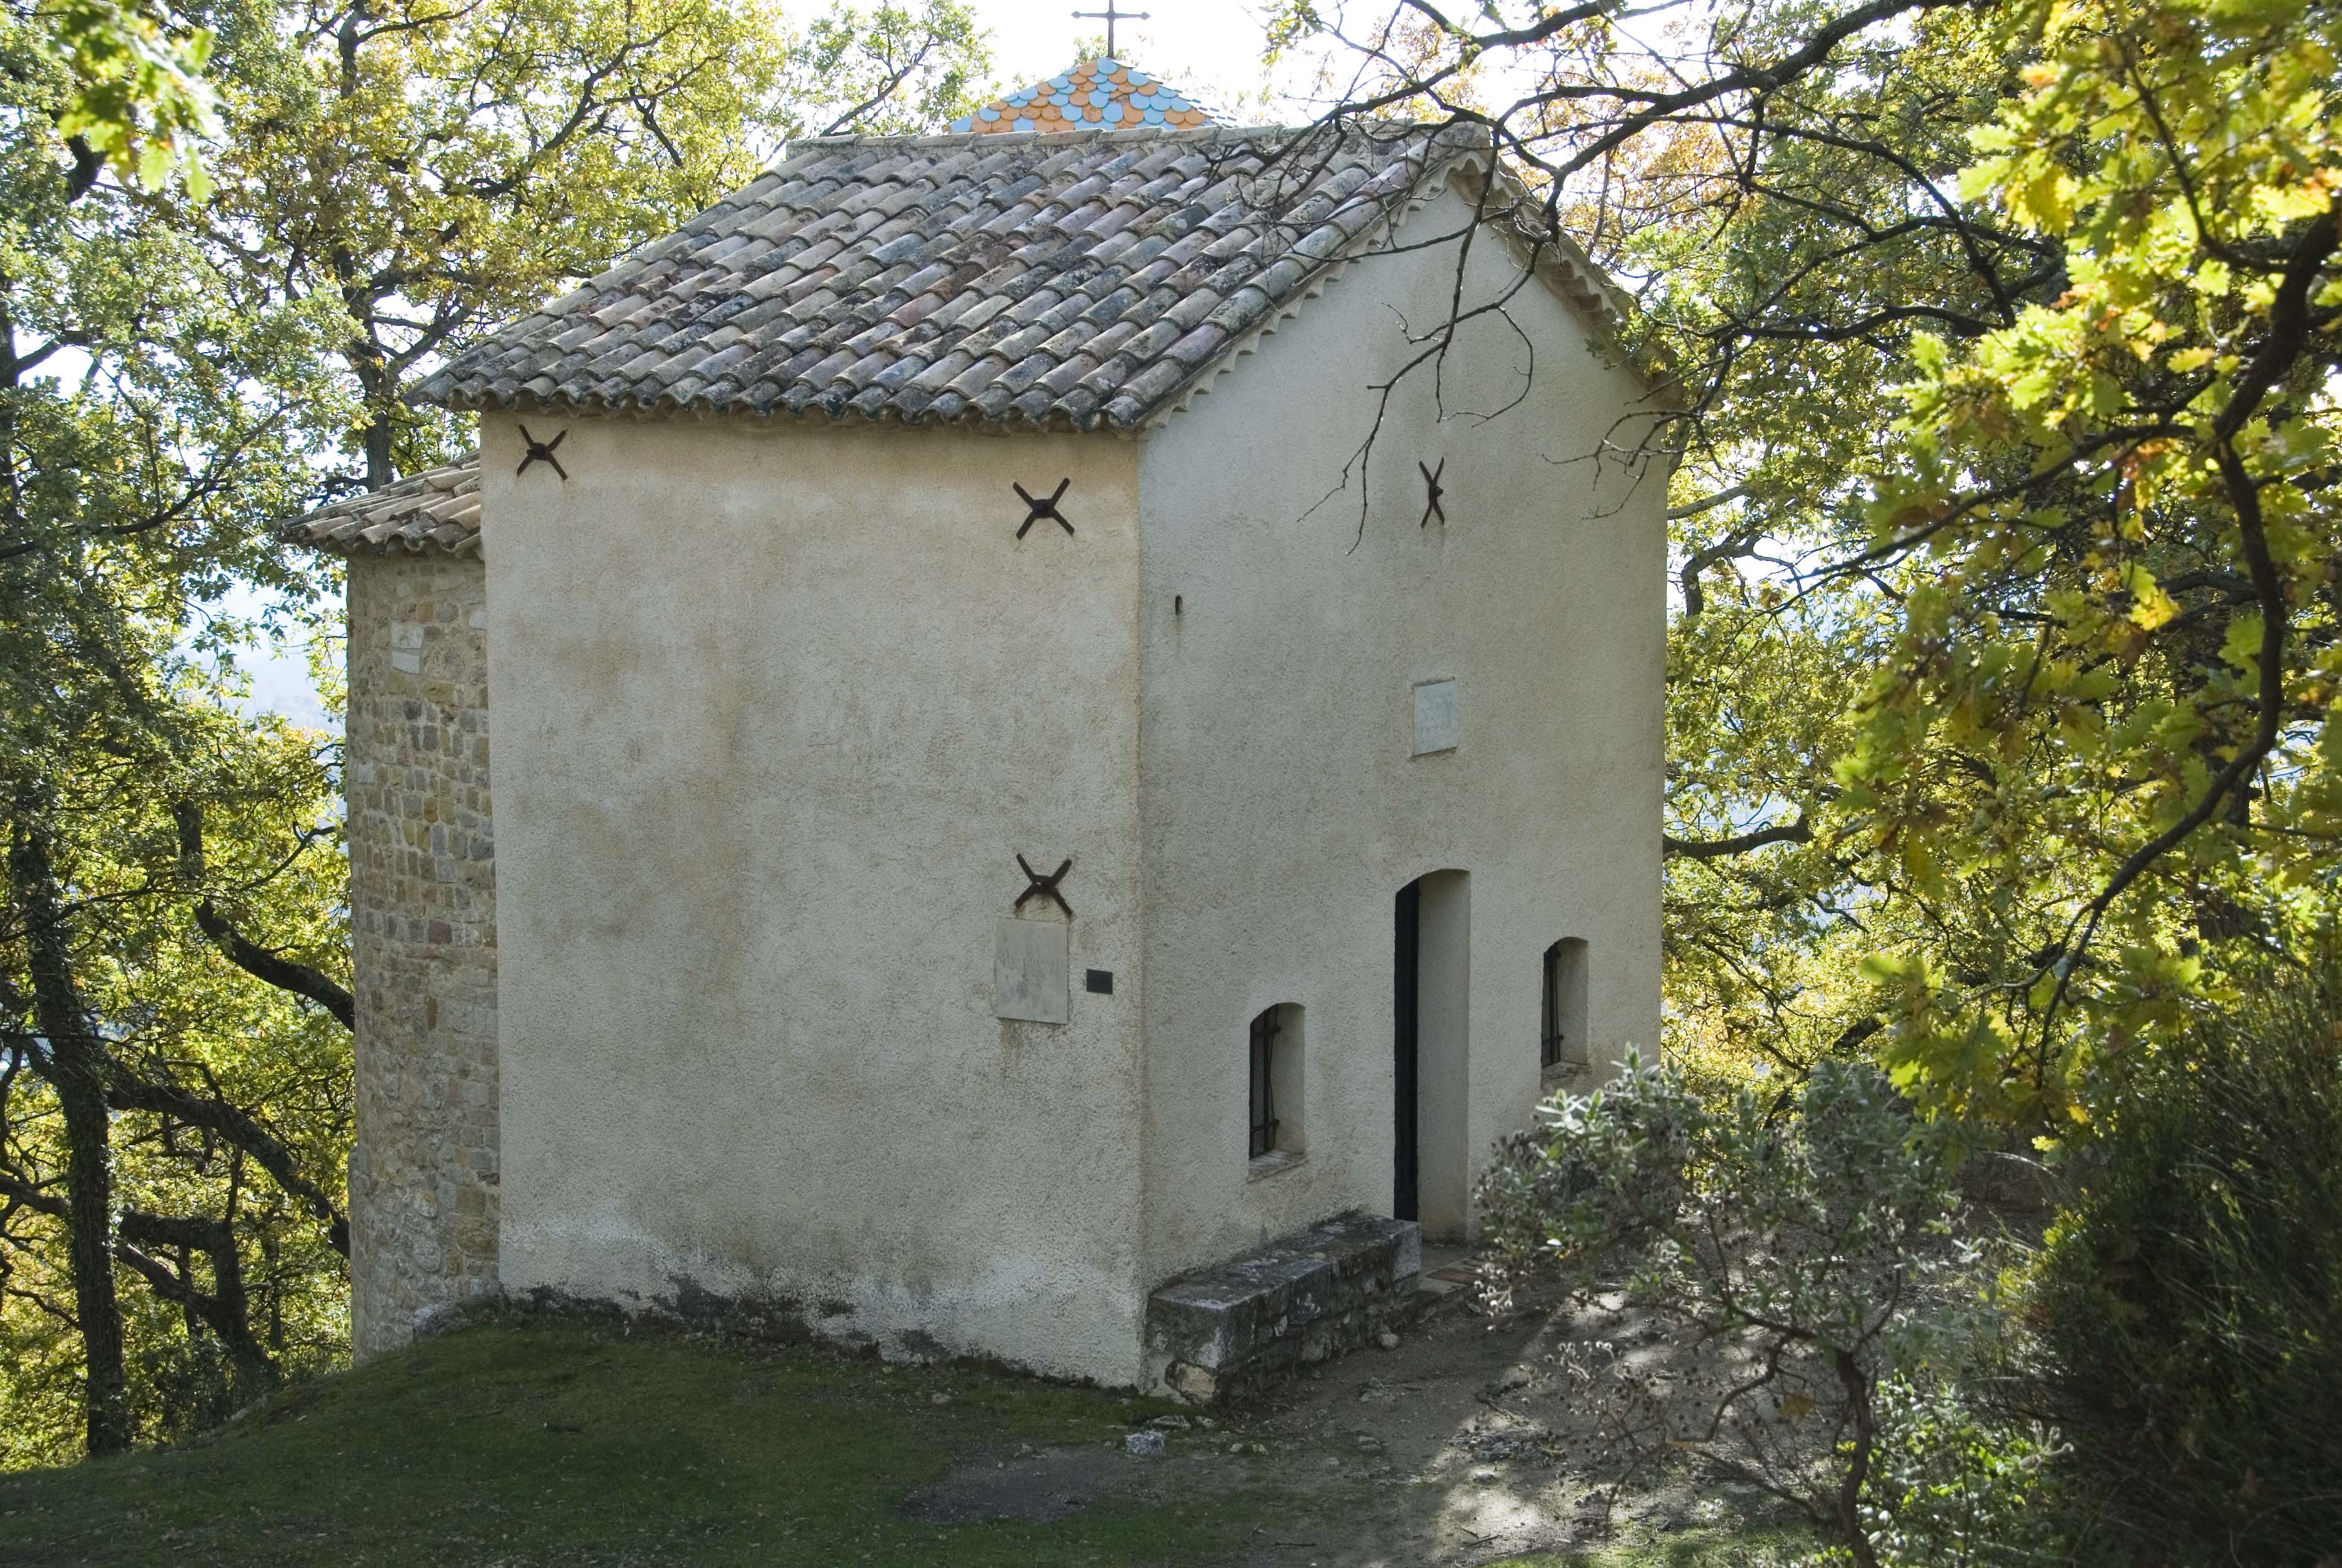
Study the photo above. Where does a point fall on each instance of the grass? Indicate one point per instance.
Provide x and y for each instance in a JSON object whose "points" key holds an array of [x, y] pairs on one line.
{"points": [[558, 1440], [537, 1440]]}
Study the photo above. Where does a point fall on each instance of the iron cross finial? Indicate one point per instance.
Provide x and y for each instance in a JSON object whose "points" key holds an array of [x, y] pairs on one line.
{"points": [[1110, 16]]}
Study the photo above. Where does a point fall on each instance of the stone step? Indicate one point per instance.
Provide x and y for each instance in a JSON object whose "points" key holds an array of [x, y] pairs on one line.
{"points": [[1241, 1324]]}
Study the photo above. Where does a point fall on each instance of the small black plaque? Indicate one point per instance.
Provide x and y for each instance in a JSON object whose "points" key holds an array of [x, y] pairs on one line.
{"points": [[1100, 981]]}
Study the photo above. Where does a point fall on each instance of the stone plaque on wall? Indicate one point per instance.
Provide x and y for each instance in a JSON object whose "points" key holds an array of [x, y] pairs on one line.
{"points": [[1438, 723], [1031, 977]]}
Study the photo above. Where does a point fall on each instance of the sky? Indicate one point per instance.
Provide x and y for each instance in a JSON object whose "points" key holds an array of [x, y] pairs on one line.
{"points": [[1212, 45]]}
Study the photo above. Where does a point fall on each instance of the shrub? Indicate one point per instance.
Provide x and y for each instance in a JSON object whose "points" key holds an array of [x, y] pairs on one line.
{"points": [[2190, 1301], [1795, 1308], [1958, 1483]]}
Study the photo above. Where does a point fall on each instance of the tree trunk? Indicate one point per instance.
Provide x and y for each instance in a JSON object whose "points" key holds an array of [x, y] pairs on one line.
{"points": [[377, 451], [76, 1070], [226, 1310], [1858, 1391]]}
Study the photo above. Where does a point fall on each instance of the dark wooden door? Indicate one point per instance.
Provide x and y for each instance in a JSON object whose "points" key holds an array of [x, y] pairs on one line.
{"points": [[1406, 925]]}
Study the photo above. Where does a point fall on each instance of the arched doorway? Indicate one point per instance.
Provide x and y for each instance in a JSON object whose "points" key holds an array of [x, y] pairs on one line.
{"points": [[1431, 972]]}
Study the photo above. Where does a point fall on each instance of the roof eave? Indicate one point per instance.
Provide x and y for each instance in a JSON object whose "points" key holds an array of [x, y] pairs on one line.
{"points": [[393, 514]]}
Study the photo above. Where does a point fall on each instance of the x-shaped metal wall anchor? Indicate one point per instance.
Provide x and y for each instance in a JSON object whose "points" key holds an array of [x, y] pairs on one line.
{"points": [[1039, 886], [1037, 510], [541, 451], [1431, 484]]}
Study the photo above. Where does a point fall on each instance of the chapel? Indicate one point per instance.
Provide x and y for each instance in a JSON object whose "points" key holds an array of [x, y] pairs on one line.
{"points": [[1025, 742]]}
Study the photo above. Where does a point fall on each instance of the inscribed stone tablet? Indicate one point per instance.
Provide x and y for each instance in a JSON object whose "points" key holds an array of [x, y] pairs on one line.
{"points": [[1438, 724], [1031, 978]]}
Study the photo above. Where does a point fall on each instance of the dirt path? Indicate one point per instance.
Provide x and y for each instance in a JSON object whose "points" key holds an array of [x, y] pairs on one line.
{"points": [[1457, 1446]]}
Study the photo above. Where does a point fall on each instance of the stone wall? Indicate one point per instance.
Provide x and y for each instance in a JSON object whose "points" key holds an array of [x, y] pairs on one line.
{"points": [[423, 916]]}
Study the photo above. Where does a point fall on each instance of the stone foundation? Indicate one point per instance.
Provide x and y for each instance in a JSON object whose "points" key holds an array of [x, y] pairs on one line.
{"points": [[1239, 1325], [422, 1171]]}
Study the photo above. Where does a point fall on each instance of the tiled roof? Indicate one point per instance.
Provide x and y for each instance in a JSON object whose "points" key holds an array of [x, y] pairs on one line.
{"points": [[1082, 280], [435, 510], [1099, 92]]}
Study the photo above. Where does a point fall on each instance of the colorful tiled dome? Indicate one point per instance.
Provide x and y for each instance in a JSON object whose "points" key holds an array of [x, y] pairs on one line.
{"points": [[1103, 93]]}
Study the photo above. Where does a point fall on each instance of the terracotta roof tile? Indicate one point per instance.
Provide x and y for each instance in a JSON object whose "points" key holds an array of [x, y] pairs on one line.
{"points": [[955, 278], [435, 510]]}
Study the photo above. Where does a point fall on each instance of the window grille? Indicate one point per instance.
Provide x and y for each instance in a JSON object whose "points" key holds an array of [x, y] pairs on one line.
{"points": [[1264, 1099]]}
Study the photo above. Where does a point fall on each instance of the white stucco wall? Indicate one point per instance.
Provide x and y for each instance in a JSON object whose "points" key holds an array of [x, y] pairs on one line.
{"points": [[1282, 808], [777, 707]]}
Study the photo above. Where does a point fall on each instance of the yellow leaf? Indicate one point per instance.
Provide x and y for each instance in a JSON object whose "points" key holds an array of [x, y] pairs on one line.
{"points": [[2150, 605], [2242, 646]]}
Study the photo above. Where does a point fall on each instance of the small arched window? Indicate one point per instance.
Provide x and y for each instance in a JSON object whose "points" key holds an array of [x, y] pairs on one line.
{"points": [[1561, 1033], [1276, 1088], [1264, 1030]]}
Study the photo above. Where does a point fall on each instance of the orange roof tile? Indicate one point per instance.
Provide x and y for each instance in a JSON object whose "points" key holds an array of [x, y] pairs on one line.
{"points": [[1101, 93]]}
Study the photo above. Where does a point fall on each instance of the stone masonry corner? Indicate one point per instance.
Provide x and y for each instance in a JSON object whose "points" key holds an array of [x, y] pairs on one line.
{"points": [[423, 1169]]}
